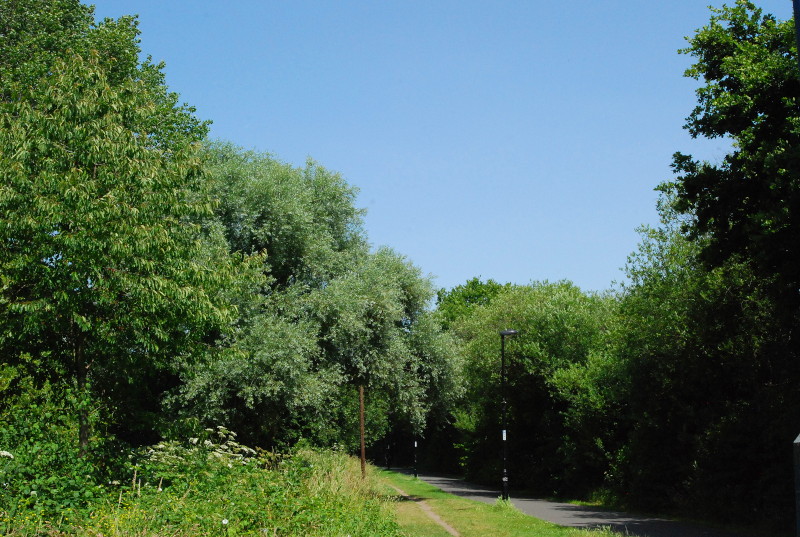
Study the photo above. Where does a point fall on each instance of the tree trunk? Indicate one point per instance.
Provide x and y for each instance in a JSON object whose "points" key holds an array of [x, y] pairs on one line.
{"points": [[361, 427]]}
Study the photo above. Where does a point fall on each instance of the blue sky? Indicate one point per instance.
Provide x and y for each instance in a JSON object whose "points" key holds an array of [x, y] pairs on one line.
{"points": [[512, 140]]}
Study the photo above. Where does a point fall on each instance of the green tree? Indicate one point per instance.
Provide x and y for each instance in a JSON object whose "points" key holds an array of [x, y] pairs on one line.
{"points": [[104, 276], [36, 34], [294, 230], [367, 320], [456, 303], [303, 219], [318, 314], [559, 326], [746, 206], [742, 215], [689, 389]]}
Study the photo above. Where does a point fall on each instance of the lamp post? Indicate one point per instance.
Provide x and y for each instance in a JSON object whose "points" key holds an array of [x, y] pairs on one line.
{"points": [[503, 334]]}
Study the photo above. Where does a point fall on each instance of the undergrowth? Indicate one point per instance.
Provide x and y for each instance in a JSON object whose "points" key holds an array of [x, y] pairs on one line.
{"points": [[216, 486]]}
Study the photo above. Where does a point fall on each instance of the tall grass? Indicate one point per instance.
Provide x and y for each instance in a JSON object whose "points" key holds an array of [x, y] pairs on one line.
{"points": [[219, 488]]}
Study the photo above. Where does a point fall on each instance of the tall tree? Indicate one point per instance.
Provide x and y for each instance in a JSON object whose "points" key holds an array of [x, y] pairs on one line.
{"points": [[104, 275], [318, 314], [747, 206], [303, 219], [559, 327], [295, 230], [740, 319], [368, 320], [701, 379]]}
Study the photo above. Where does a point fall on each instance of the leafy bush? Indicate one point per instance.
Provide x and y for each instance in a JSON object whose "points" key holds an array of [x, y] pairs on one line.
{"points": [[42, 474], [212, 485]]}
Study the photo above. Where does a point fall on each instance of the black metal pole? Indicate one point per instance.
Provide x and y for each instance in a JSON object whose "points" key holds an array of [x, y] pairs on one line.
{"points": [[503, 395]]}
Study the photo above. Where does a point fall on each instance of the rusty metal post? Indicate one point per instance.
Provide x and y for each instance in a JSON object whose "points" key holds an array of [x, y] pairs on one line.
{"points": [[361, 428]]}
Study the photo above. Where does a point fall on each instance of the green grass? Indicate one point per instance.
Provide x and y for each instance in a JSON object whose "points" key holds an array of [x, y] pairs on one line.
{"points": [[227, 490], [470, 518]]}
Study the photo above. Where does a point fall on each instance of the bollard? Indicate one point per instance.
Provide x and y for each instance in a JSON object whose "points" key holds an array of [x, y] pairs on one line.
{"points": [[797, 484], [415, 459]]}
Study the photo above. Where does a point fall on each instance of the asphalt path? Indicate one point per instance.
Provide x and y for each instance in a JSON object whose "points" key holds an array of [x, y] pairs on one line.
{"points": [[566, 514]]}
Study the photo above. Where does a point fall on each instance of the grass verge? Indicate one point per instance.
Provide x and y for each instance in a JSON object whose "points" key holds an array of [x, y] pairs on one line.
{"points": [[468, 517], [220, 488]]}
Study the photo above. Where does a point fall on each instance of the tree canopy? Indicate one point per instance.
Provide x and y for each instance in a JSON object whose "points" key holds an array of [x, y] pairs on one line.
{"points": [[105, 273], [747, 205]]}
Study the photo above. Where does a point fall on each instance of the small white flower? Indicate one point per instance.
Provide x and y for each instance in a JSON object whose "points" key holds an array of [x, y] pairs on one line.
{"points": [[6, 454], [224, 521]]}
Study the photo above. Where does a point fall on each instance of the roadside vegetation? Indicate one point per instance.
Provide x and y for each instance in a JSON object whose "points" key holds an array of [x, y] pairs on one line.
{"points": [[676, 391], [213, 485], [468, 517]]}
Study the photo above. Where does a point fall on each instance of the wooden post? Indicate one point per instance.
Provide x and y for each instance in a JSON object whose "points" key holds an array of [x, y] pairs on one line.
{"points": [[361, 427]]}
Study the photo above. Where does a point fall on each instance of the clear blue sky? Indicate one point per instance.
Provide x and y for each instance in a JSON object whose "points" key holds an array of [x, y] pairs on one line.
{"points": [[513, 140]]}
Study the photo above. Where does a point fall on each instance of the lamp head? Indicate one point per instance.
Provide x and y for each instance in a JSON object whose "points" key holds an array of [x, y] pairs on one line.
{"points": [[508, 332]]}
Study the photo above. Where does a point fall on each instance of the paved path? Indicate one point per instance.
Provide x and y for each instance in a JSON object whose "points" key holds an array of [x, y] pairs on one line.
{"points": [[566, 514]]}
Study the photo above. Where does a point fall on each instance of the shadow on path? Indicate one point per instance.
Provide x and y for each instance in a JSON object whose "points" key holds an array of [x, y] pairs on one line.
{"points": [[565, 514]]}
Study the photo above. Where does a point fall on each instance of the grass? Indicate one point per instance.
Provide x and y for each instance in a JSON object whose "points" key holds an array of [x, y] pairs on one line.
{"points": [[414, 522], [212, 489], [470, 518]]}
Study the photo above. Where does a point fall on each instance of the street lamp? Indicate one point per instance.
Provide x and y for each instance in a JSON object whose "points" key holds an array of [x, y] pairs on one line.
{"points": [[503, 334]]}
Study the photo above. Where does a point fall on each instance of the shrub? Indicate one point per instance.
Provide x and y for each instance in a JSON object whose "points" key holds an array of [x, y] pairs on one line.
{"points": [[212, 485]]}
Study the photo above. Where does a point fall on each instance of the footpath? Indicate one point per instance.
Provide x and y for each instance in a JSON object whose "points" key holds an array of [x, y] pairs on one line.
{"points": [[565, 514]]}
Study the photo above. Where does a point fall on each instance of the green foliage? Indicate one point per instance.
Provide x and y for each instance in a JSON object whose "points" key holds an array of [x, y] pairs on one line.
{"points": [[744, 206], [701, 361], [270, 385], [713, 341], [41, 472], [303, 219], [560, 328], [456, 303], [103, 272], [212, 485], [374, 329], [318, 314], [36, 33], [149, 286]]}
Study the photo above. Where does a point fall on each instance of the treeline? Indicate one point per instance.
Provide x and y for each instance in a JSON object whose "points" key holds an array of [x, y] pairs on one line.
{"points": [[154, 283], [681, 388]]}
